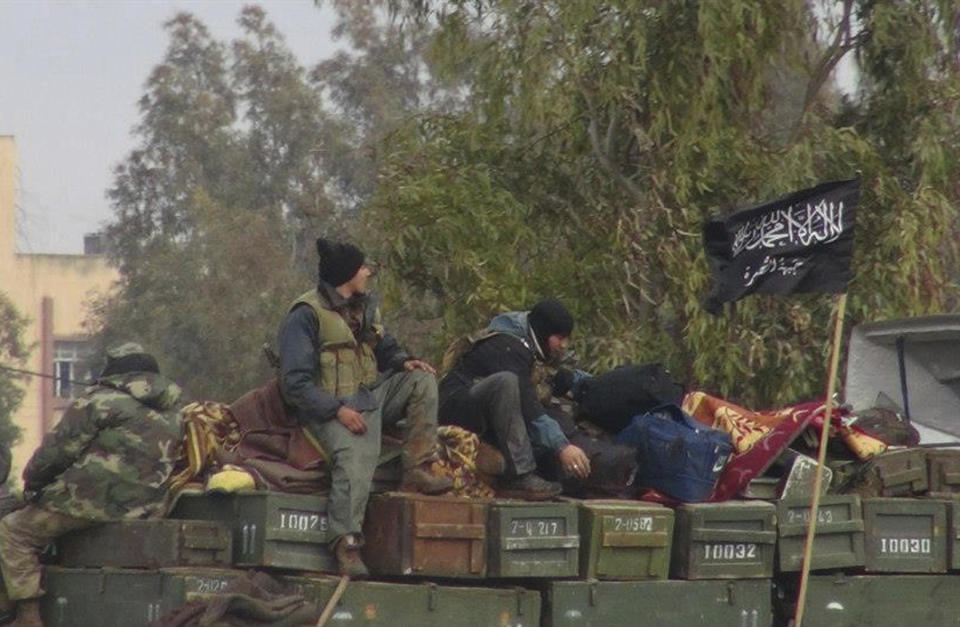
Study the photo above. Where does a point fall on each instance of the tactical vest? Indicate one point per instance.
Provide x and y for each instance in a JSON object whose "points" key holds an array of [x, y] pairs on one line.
{"points": [[345, 363]]}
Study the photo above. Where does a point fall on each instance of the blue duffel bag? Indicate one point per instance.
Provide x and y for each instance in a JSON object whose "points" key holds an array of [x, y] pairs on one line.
{"points": [[676, 454]]}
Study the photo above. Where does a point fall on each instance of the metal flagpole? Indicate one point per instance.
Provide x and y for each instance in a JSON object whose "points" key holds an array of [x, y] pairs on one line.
{"points": [[821, 460]]}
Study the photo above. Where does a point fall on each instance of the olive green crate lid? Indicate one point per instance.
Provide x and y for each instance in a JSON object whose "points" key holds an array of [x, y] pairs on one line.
{"points": [[665, 603], [271, 529], [875, 601], [904, 535], [80, 597], [423, 604], [86, 597], [896, 473], [625, 539], [838, 542], [527, 539], [953, 532], [729, 540], [148, 544], [943, 471]]}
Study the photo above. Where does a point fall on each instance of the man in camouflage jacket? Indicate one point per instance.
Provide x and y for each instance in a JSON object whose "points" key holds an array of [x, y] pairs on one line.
{"points": [[109, 458]]}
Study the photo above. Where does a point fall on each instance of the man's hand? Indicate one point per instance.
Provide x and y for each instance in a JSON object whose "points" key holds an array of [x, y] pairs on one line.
{"points": [[352, 420], [574, 461], [416, 364]]}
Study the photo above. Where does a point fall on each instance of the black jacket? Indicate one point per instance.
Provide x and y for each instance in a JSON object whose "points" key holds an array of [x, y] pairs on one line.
{"points": [[500, 353]]}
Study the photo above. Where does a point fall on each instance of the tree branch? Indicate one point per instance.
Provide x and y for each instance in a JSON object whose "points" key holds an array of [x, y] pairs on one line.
{"points": [[842, 43]]}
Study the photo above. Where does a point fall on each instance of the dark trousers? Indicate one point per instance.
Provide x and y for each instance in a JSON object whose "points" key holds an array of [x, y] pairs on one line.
{"points": [[490, 407]]}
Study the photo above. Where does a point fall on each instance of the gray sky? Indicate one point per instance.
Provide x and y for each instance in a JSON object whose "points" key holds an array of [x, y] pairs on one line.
{"points": [[71, 73]]}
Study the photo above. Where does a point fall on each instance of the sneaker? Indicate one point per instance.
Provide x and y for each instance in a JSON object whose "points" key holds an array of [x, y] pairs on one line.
{"points": [[529, 487], [347, 553], [422, 479]]}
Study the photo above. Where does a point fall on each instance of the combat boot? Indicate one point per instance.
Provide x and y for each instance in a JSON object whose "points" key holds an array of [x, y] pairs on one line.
{"points": [[422, 479], [347, 553], [28, 614], [490, 460], [529, 487]]}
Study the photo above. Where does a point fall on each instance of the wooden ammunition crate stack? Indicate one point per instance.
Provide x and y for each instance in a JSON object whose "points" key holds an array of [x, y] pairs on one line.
{"points": [[413, 534]]}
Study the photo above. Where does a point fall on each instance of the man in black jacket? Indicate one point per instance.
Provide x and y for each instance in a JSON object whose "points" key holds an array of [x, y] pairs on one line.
{"points": [[492, 390]]}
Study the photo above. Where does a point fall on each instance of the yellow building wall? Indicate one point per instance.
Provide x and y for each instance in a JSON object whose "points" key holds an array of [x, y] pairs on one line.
{"points": [[67, 283]]}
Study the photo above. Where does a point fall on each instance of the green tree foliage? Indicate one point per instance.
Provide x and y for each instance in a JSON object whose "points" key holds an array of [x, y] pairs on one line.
{"points": [[600, 135], [242, 137], [214, 209], [210, 303], [13, 354]]}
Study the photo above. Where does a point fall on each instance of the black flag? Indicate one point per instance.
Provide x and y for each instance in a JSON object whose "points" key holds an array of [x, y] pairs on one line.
{"points": [[801, 242]]}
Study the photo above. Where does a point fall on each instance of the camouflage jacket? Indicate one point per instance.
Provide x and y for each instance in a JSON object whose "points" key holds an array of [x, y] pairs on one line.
{"points": [[112, 453]]}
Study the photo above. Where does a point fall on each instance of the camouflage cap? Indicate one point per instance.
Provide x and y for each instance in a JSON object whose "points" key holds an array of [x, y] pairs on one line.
{"points": [[128, 357], [122, 350]]}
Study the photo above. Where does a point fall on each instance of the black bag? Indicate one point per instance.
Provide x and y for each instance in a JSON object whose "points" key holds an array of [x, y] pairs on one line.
{"points": [[611, 399]]}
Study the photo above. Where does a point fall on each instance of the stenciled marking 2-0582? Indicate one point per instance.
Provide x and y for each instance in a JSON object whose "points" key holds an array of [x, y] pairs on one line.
{"points": [[629, 524]]}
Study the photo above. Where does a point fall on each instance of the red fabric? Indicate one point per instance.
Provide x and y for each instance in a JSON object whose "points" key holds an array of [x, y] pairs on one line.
{"points": [[761, 436]]}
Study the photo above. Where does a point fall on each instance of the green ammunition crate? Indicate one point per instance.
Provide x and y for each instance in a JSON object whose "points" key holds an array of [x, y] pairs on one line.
{"points": [[838, 542], [943, 470], [422, 605], [905, 535], [532, 539], [84, 597], [273, 529], [744, 603], [898, 473], [763, 488], [953, 531], [878, 601], [730, 540], [625, 540], [148, 544]]}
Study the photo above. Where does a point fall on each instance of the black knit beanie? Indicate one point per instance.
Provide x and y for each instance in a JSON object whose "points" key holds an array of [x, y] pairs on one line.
{"points": [[339, 261], [550, 317]]}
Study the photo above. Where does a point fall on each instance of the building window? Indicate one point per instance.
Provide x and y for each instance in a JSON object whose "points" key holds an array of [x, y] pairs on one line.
{"points": [[69, 368]]}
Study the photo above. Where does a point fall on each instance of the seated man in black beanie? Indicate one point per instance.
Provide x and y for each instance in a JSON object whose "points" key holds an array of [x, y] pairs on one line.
{"points": [[342, 376], [491, 390]]}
